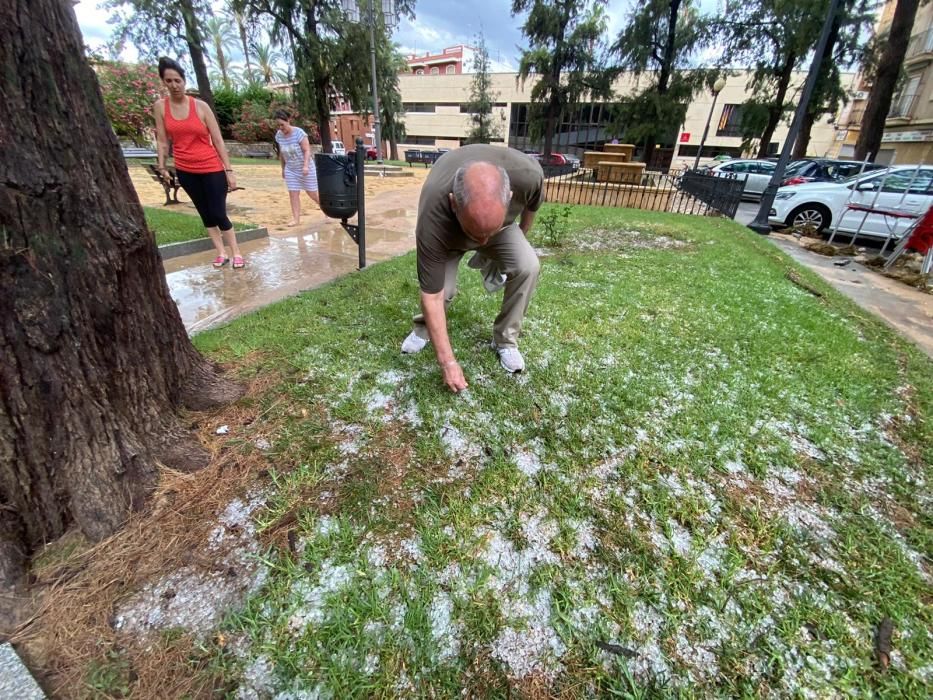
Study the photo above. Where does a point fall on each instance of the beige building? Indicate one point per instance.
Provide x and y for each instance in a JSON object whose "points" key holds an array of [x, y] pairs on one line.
{"points": [[435, 117], [908, 130]]}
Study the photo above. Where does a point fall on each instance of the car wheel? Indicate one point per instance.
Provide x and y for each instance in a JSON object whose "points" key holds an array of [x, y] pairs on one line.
{"points": [[814, 216]]}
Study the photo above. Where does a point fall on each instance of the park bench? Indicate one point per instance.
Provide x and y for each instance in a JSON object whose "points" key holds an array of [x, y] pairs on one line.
{"points": [[426, 157], [137, 152], [170, 187], [258, 153]]}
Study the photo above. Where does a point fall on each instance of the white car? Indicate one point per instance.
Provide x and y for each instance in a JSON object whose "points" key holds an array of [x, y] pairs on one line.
{"points": [[757, 174], [337, 148], [900, 190]]}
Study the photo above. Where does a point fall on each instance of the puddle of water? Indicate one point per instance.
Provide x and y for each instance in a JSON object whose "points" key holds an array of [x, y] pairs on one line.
{"points": [[277, 267]]}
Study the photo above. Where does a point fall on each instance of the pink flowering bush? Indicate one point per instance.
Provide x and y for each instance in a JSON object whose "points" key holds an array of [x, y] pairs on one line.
{"points": [[257, 124], [129, 91]]}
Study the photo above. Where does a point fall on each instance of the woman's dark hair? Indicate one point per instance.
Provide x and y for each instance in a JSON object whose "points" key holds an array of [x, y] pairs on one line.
{"points": [[282, 114], [166, 63]]}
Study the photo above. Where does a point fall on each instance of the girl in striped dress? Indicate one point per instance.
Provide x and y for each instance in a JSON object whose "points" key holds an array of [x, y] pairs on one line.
{"points": [[297, 168]]}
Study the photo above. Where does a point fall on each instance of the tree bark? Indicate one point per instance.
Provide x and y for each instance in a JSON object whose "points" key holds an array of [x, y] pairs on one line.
{"points": [[818, 104], [803, 138], [196, 51], [94, 359], [664, 74], [882, 90], [241, 29], [776, 111]]}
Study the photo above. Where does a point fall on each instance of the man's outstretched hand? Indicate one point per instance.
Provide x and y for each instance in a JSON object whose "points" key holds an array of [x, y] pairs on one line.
{"points": [[453, 376]]}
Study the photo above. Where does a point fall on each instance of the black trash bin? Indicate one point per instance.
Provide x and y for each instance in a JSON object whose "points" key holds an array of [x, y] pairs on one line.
{"points": [[336, 184]]}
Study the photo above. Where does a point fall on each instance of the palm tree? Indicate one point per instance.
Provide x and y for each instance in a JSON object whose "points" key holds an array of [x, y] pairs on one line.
{"points": [[220, 34], [239, 19], [268, 58]]}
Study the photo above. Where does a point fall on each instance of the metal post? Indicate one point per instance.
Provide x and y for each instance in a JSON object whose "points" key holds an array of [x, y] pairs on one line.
{"points": [[377, 130], [361, 201], [760, 224]]}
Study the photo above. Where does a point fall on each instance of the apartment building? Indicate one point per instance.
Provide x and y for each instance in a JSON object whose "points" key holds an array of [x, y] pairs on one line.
{"points": [[908, 130], [436, 117], [454, 60]]}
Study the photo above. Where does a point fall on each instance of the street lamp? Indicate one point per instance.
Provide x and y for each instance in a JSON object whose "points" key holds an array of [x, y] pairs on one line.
{"points": [[389, 18], [717, 88]]}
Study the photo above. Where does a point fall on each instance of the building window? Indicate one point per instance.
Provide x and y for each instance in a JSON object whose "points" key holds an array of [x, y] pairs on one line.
{"points": [[419, 140], [435, 71], [451, 70], [419, 107], [903, 103], [730, 122], [420, 71]]}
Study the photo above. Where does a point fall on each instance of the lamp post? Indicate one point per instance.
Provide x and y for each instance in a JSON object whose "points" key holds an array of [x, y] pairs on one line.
{"points": [[389, 18], [760, 224], [717, 88]]}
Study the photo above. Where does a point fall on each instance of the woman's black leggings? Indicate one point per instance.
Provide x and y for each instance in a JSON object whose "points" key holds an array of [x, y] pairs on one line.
{"points": [[208, 191]]}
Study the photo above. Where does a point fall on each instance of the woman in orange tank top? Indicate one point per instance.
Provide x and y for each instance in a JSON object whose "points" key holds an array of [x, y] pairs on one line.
{"points": [[201, 159]]}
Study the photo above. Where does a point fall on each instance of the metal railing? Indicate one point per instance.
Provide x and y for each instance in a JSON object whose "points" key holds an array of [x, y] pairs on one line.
{"points": [[683, 192], [902, 107], [920, 43]]}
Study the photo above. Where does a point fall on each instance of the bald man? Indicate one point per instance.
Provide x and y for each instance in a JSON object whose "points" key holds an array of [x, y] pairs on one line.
{"points": [[471, 201]]}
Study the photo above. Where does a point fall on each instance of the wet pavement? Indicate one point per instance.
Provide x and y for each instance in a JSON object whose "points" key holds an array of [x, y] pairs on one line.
{"points": [[906, 309], [285, 264]]}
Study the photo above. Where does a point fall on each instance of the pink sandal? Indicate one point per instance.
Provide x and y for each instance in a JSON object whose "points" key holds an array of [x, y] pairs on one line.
{"points": [[238, 263], [220, 261]]}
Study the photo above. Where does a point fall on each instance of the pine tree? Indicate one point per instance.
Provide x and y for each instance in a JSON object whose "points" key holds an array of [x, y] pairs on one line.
{"points": [[564, 54], [482, 97]]}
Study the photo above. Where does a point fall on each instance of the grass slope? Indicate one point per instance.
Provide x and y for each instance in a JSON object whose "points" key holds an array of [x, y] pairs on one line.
{"points": [[175, 227], [710, 482]]}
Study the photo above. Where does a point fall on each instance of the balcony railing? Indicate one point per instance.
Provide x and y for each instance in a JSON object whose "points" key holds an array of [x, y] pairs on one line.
{"points": [[903, 107], [854, 118], [920, 43]]}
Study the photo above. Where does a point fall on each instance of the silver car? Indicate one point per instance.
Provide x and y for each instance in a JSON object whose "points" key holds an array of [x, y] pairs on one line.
{"points": [[757, 174]]}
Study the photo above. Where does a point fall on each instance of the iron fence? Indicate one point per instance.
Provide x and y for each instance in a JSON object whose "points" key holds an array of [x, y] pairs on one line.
{"points": [[690, 192]]}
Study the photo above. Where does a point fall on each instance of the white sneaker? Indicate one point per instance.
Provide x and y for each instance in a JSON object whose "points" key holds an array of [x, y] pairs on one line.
{"points": [[510, 359], [413, 343]]}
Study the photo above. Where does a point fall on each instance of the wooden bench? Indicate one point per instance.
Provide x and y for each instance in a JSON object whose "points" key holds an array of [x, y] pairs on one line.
{"points": [[170, 187], [258, 154]]}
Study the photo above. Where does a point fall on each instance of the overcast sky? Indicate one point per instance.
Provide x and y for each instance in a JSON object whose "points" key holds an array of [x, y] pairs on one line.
{"points": [[437, 24]]}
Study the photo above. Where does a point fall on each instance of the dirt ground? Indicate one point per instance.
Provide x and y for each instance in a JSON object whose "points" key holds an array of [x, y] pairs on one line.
{"points": [[264, 201]]}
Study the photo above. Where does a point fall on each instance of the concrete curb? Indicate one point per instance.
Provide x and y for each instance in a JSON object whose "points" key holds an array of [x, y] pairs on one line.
{"points": [[15, 679], [199, 245]]}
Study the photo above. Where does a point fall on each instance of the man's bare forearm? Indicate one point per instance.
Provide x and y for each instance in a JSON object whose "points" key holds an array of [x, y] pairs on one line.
{"points": [[435, 320]]}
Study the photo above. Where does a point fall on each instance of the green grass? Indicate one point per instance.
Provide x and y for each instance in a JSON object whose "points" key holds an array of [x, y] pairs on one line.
{"points": [[711, 468], [175, 227]]}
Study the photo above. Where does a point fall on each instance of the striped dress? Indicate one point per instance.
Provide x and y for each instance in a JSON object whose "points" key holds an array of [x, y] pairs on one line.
{"points": [[290, 147]]}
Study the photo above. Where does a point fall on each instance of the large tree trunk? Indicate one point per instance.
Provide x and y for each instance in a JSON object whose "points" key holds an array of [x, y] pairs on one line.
{"points": [[244, 43], [824, 86], [196, 51], [803, 139], [94, 359], [776, 111], [882, 90], [664, 74]]}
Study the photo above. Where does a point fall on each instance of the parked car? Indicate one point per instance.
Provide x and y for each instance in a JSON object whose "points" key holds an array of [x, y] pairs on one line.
{"points": [[900, 189], [757, 174], [337, 148], [557, 159], [824, 170], [369, 150]]}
